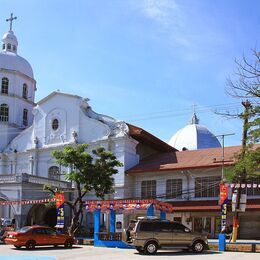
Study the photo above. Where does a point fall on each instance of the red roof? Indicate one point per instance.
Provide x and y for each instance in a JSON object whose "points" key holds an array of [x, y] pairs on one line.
{"points": [[211, 157], [145, 137]]}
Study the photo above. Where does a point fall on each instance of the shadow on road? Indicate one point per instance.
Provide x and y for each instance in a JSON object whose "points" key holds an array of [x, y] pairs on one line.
{"points": [[178, 253], [47, 248]]}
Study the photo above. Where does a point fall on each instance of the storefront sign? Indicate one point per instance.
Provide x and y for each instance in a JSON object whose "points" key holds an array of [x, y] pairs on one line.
{"points": [[59, 196], [223, 204]]}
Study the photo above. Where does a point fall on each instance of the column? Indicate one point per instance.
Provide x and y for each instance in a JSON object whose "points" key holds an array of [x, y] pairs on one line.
{"points": [[150, 211], [162, 215], [96, 224], [112, 223]]}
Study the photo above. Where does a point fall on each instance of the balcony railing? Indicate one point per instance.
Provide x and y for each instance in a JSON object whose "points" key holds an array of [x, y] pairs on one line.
{"points": [[28, 178], [3, 118]]}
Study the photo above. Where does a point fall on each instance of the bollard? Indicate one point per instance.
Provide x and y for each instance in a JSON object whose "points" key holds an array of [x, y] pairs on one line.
{"points": [[222, 242]]}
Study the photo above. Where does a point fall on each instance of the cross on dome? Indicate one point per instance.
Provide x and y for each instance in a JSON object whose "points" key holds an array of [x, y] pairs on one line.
{"points": [[9, 40], [11, 21]]}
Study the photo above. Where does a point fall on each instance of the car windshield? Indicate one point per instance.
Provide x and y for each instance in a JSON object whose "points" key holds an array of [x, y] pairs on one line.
{"points": [[23, 229]]}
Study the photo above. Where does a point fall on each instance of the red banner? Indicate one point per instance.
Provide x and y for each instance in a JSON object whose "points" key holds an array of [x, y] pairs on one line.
{"points": [[128, 205], [59, 197], [223, 192]]}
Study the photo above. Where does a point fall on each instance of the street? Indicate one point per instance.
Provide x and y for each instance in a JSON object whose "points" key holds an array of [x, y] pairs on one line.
{"points": [[89, 252]]}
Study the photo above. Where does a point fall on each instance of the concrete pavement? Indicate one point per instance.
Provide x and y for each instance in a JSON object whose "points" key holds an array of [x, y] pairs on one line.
{"points": [[8, 252]]}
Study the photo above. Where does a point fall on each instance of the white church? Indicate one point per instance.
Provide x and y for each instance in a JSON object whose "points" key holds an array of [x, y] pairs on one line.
{"points": [[29, 132]]}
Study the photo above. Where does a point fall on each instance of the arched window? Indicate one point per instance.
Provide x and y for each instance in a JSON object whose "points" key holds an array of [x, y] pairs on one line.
{"points": [[25, 91], [25, 117], [4, 112], [54, 173], [5, 84], [55, 124]]}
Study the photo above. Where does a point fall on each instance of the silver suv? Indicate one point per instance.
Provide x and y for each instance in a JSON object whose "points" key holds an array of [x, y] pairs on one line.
{"points": [[150, 235]]}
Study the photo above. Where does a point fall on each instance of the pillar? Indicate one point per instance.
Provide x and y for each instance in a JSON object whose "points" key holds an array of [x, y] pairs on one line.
{"points": [[112, 223], [222, 242], [162, 215], [150, 211], [96, 224]]}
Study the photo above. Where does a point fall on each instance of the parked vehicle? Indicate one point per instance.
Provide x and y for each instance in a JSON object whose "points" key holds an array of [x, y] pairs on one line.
{"points": [[149, 235], [31, 236]]}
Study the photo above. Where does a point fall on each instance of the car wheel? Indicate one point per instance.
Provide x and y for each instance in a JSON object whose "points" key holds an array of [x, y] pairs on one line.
{"points": [[151, 248], [30, 244], [68, 244], [139, 249], [198, 246], [18, 247]]}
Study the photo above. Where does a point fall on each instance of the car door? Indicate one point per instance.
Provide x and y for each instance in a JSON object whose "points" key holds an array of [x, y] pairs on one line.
{"points": [[163, 232], [52, 237], [181, 234], [39, 236]]}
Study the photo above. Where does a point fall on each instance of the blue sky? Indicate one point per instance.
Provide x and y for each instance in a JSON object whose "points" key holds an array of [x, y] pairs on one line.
{"points": [[146, 62]]}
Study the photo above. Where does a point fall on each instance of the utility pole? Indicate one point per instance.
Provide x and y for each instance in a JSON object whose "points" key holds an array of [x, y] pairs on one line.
{"points": [[242, 178], [223, 153]]}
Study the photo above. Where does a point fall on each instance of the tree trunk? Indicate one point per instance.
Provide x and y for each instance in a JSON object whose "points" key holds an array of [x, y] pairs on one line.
{"points": [[242, 178]]}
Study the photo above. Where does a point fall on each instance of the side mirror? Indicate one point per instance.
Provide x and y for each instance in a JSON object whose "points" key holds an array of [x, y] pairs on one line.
{"points": [[186, 230]]}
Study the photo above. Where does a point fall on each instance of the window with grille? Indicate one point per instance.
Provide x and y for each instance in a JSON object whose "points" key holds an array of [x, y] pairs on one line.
{"points": [[54, 173], [148, 189], [25, 117], [25, 91], [4, 113], [5, 85], [207, 186], [174, 188]]}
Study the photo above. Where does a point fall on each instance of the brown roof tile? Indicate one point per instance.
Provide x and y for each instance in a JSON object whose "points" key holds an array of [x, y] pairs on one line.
{"points": [[211, 157]]}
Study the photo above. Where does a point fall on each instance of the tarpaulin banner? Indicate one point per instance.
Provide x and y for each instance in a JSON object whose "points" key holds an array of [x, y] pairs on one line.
{"points": [[223, 201], [59, 196]]}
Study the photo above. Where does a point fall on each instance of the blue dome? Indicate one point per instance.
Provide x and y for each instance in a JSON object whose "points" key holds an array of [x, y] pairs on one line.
{"points": [[194, 137]]}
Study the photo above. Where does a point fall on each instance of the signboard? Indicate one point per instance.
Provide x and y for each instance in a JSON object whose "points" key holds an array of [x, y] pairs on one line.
{"points": [[223, 201], [59, 196]]}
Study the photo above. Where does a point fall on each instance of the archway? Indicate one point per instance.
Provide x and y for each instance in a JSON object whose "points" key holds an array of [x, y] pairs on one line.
{"points": [[6, 211], [42, 215]]}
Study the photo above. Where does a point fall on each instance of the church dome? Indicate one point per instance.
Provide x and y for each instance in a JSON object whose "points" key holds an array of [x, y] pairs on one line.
{"points": [[194, 137], [9, 59]]}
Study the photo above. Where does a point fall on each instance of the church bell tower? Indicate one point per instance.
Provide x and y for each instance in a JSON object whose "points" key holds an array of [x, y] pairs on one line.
{"points": [[17, 89]]}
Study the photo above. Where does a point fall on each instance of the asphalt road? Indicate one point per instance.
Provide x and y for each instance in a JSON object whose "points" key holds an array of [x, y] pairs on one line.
{"points": [[89, 252]]}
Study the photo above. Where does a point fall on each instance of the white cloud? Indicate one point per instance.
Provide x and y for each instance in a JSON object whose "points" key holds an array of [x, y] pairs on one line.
{"points": [[193, 32]]}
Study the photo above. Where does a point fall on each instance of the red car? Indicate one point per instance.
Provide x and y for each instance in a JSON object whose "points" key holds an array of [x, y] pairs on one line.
{"points": [[32, 236]]}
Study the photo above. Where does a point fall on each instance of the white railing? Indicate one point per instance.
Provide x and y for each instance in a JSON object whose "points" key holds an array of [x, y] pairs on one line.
{"points": [[27, 178], [4, 118]]}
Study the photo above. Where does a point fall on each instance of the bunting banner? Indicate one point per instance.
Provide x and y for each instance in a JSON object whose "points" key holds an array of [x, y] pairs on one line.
{"points": [[60, 198], [27, 202], [223, 201], [244, 185]]}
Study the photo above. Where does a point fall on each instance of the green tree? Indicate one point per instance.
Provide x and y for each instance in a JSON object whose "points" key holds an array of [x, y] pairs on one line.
{"points": [[88, 173], [246, 85]]}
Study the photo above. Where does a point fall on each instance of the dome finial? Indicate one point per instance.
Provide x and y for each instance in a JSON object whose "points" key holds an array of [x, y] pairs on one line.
{"points": [[9, 40], [194, 120], [11, 21]]}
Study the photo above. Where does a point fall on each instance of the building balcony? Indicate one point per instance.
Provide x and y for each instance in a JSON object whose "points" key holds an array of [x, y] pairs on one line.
{"points": [[27, 178]]}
